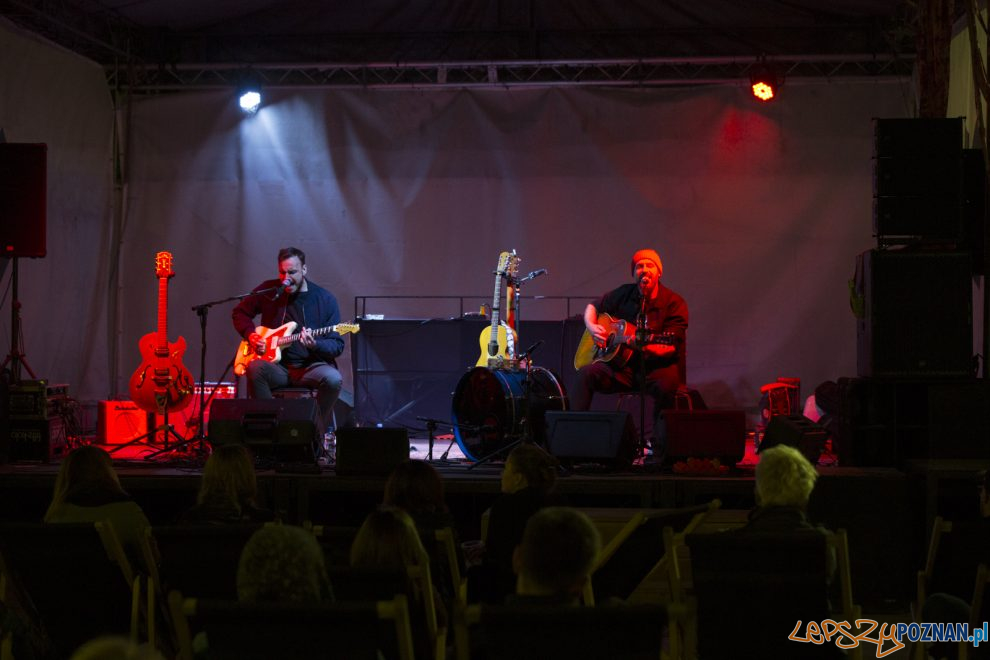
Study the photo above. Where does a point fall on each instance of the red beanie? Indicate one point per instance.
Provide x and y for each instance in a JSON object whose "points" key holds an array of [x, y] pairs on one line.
{"points": [[646, 254]]}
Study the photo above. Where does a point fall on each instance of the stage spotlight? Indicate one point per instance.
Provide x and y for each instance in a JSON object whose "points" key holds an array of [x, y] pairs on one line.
{"points": [[250, 99], [763, 82]]}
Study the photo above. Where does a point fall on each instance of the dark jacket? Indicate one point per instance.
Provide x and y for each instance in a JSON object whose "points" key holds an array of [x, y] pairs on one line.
{"points": [[315, 308]]}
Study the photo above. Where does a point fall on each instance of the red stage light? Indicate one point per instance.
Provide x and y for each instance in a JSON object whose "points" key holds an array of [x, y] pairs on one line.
{"points": [[763, 90], [763, 81]]}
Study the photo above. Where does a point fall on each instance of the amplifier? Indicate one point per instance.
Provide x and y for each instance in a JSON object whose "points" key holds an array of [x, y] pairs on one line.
{"points": [[120, 422], [37, 440], [185, 420], [36, 399]]}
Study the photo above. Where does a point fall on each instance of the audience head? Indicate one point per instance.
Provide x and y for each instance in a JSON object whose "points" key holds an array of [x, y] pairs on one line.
{"points": [[229, 472], [557, 553], [114, 647], [528, 466], [282, 564], [415, 487], [784, 477], [86, 476], [387, 539]]}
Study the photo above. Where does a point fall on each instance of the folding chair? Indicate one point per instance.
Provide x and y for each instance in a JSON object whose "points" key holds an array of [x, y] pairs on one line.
{"points": [[75, 580], [262, 631]]}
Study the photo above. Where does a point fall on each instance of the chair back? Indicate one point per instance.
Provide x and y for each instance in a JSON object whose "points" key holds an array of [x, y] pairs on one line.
{"points": [[245, 631], [634, 552], [73, 578], [960, 547], [201, 560], [535, 631], [753, 588]]}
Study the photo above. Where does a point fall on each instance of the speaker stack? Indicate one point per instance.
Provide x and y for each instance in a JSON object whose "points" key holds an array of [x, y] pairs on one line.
{"points": [[915, 324]]}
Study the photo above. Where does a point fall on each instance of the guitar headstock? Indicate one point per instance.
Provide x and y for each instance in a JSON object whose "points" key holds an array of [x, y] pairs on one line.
{"points": [[163, 265], [344, 328], [508, 264]]}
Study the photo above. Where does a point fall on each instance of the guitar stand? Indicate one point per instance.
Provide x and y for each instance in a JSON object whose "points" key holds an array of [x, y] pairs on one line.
{"points": [[148, 439]]}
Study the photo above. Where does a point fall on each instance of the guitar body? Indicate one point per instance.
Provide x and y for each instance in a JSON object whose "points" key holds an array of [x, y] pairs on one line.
{"points": [[617, 350], [505, 338], [275, 338], [162, 383], [273, 350], [163, 376]]}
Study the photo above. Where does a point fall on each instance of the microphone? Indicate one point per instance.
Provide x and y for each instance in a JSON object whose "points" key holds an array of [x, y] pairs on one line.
{"points": [[286, 283], [535, 273], [529, 351]]}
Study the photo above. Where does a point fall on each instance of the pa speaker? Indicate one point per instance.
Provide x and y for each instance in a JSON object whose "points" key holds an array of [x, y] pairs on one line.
{"points": [[284, 429], [608, 437], [370, 451], [918, 314], [797, 431], [23, 193]]}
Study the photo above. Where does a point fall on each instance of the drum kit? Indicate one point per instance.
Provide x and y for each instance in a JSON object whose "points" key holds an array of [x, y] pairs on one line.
{"points": [[503, 403]]}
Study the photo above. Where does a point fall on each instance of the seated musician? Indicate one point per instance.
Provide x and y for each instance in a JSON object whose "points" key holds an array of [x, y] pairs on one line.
{"points": [[308, 362], [666, 313]]}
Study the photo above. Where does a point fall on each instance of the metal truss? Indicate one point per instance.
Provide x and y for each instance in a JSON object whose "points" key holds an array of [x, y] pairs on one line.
{"points": [[647, 72]]}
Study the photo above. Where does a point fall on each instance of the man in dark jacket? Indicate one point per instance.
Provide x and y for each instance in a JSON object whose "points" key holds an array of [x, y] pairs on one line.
{"points": [[307, 362]]}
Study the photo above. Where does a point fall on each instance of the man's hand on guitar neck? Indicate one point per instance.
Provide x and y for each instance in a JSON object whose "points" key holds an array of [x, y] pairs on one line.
{"points": [[306, 338]]}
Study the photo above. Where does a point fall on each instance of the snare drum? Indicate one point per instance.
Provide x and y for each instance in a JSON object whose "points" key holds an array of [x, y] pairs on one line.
{"points": [[493, 407]]}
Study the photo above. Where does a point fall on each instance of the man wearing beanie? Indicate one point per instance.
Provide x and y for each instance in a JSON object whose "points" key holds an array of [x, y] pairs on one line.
{"points": [[666, 312]]}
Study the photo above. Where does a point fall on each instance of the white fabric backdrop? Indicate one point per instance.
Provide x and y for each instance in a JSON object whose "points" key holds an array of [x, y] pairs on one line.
{"points": [[51, 96], [757, 211]]}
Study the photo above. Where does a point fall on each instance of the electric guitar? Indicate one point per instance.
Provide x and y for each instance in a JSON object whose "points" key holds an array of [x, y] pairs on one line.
{"points": [[276, 338], [618, 348], [162, 381], [498, 342]]}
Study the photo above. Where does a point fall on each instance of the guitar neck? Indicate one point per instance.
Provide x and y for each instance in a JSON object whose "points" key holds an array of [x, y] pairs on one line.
{"points": [[161, 343], [319, 332]]}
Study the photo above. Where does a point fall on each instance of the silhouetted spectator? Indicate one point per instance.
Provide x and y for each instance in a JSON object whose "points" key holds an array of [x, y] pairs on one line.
{"points": [[555, 558], [416, 488], [87, 489], [528, 479], [228, 490], [282, 564]]}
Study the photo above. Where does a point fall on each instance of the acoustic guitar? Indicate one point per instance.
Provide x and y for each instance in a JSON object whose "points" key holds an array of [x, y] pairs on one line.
{"points": [[619, 346], [498, 341], [276, 338], [162, 381]]}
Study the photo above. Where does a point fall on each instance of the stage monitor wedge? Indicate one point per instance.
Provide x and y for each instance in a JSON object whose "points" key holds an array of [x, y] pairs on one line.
{"points": [[285, 430], [593, 436]]}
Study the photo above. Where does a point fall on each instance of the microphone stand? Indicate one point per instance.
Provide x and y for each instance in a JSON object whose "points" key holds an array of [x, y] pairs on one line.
{"points": [[431, 427], [641, 340], [202, 310]]}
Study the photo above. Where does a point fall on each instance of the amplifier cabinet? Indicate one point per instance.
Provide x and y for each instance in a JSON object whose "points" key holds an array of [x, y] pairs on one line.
{"points": [[41, 441]]}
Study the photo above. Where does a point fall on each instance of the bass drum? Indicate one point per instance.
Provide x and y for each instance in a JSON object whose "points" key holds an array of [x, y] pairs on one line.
{"points": [[492, 406]]}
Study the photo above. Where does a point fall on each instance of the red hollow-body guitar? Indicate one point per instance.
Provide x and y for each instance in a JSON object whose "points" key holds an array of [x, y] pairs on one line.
{"points": [[162, 381]]}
